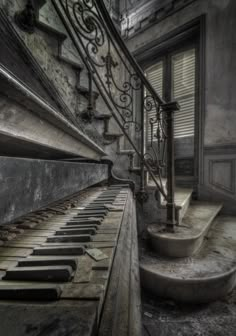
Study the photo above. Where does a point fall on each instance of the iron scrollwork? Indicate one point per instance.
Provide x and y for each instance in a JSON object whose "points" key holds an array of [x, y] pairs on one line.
{"points": [[119, 79], [104, 58]]}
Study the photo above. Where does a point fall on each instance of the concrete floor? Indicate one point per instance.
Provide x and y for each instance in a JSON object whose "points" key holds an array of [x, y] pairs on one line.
{"points": [[167, 318]]}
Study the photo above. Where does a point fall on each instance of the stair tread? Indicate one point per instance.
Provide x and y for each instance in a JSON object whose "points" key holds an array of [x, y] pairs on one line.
{"points": [[113, 134], [50, 30], [102, 116], [151, 183], [216, 257], [197, 218], [182, 195], [70, 62]]}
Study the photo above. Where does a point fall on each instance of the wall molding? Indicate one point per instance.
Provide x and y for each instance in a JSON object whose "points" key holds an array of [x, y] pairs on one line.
{"points": [[147, 14], [219, 172], [227, 200], [229, 148], [176, 36], [219, 185]]}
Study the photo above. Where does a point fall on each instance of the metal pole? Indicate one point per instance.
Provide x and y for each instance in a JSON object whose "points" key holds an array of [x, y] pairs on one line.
{"points": [[90, 98], [169, 110], [143, 145]]}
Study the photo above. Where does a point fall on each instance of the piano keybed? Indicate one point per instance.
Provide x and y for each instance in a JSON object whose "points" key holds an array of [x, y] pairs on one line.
{"points": [[64, 251]]}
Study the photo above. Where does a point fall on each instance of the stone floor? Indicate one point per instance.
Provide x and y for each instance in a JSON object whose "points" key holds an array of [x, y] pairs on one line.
{"points": [[168, 318]]}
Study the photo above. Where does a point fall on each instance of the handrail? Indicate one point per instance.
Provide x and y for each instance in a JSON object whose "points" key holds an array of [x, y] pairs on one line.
{"points": [[108, 21], [102, 50]]}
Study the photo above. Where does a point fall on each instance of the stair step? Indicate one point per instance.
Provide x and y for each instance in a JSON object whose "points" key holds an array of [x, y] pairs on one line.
{"points": [[109, 135], [72, 63], [182, 200], [151, 183], [103, 116], [207, 276], [189, 235], [85, 91], [50, 30]]}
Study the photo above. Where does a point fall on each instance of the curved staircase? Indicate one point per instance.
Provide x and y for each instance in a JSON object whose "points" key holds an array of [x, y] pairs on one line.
{"points": [[196, 263]]}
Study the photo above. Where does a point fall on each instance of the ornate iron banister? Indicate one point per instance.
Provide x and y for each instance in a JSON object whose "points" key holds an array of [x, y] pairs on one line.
{"points": [[107, 19], [123, 87]]}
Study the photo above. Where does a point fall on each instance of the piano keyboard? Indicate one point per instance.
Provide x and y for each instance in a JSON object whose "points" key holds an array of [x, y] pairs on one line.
{"points": [[64, 251]]}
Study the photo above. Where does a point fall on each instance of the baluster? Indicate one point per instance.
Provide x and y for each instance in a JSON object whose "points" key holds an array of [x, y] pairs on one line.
{"points": [[143, 144], [169, 109], [88, 114]]}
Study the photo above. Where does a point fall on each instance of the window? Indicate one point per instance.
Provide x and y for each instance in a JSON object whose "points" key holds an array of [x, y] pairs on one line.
{"points": [[183, 90], [174, 79], [155, 76]]}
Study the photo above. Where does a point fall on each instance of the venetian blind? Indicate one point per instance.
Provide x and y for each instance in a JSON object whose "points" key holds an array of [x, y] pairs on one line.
{"points": [[155, 76], [183, 90]]}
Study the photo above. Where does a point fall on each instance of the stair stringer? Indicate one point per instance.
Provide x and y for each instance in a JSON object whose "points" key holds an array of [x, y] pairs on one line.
{"points": [[66, 54]]}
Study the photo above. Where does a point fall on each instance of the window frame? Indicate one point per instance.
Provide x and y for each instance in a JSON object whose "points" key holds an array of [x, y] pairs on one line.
{"points": [[153, 50], [166, 58]]}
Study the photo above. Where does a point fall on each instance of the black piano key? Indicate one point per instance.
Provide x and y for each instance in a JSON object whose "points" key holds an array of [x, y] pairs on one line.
{"points": [[70, 239], [18, 291], [80, 231], [40, 273], [49, 261], [59, 250]]}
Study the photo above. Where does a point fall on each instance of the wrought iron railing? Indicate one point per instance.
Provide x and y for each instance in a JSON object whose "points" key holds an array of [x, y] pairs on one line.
{"points": [[126, 91]]}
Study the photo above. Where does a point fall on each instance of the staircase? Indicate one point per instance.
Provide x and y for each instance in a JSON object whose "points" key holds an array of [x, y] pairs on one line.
{"points": [[197, 263], [100, 125]]}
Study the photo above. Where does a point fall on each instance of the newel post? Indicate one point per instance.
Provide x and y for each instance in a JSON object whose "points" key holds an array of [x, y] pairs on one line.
{"points": [[142, 194], [169, 109]]}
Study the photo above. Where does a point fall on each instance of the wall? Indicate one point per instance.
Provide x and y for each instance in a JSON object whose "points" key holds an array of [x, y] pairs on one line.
{"points": [[140, 14], [217, 140]]}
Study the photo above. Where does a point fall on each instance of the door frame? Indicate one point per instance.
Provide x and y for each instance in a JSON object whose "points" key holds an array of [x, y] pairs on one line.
{"points": [[184, 35]]}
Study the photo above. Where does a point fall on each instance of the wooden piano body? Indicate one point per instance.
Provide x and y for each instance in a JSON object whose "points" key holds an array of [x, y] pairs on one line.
{"points": [[72, 268]]}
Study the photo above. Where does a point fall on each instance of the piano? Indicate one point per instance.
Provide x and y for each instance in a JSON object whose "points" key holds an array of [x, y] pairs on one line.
{"points": [[72, 268]]}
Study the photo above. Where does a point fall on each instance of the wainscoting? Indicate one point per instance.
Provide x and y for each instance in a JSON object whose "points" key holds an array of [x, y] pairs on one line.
{"points": [[219, 170]]}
